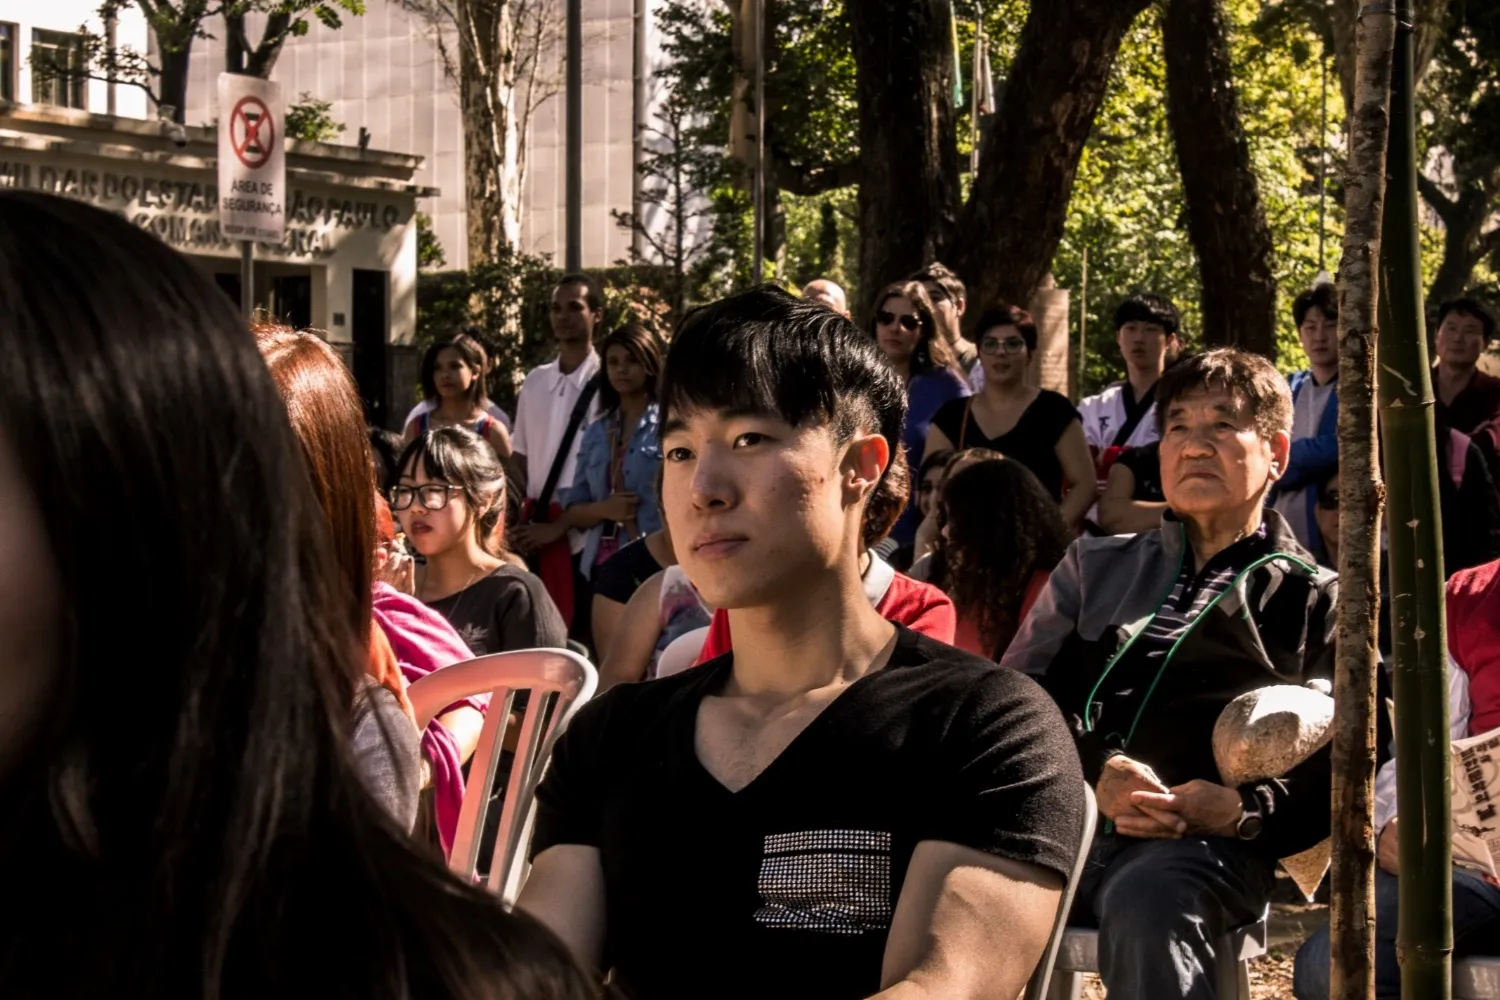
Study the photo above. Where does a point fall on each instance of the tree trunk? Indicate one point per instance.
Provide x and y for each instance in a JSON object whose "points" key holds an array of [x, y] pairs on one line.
{"points": [[1224, 215], [1424, 938], [1352, 879], [1464, 242], [486, 101], [240, 57], [1010, 228], [173, 82], [1429, 16], [908, 192]]}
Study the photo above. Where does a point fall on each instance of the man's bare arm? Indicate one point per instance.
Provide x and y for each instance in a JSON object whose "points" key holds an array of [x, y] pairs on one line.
{"points": [[967, 925], [565, 891]]}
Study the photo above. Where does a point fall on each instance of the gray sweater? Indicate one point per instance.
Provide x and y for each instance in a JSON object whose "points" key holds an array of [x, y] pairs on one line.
{"points": [[388, 752]]}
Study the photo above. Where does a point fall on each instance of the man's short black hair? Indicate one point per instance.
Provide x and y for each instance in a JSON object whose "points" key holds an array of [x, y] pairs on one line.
{"points": [[1468, 307], [1324, 296], [1249, 378], [591, 293], [1145, 307], [763, 351], [939, 274]]}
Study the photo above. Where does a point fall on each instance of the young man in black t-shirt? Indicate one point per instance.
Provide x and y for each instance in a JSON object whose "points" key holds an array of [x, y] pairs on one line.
{"points": [[840, 806]]}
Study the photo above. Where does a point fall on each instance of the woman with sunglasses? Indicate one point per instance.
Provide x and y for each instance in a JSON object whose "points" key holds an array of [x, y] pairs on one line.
{"points": [[450, 500], [1037, 427], [906, 330]]}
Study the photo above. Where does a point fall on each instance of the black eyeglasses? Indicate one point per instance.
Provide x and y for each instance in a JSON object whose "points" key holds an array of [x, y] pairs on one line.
{"points": [[1329, 499], [431, 496], [908, 320], [926, 487]]}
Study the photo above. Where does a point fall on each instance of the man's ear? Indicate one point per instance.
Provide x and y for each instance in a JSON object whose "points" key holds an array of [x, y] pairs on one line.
{"points": [[1281, 451], [865, 461]]}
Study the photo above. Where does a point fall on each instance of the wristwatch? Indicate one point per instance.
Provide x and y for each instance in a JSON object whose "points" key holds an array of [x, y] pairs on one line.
{"points": [[1249, 826]]}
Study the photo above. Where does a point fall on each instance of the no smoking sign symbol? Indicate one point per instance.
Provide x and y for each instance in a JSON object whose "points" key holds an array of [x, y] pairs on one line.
{"points": [[252, 131]]}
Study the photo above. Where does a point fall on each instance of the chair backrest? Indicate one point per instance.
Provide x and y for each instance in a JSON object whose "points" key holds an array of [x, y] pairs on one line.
{"points": [[681, 653], [559, 681], [1036, 987]]}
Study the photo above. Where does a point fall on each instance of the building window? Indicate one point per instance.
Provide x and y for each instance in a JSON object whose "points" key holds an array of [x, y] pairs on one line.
{"points": [[57, 69], [7, 62]]}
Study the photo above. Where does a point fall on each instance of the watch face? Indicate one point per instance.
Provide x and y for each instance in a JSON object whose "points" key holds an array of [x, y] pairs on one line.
{"points": [[1249, 827]]}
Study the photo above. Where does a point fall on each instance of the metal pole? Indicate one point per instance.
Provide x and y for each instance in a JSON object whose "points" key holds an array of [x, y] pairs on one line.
{"points": [[642, 104], [1083, 323], [247, 279], [760, 142], [974, 100], [573, 232]]}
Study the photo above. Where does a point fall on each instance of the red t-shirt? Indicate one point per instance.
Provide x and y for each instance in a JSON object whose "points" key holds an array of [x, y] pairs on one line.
{"points": [[1474, 640], [919, 606]]}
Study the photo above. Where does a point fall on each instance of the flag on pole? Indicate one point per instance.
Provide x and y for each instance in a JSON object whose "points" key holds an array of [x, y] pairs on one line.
{"points": [[958, 72], [984, 80]]}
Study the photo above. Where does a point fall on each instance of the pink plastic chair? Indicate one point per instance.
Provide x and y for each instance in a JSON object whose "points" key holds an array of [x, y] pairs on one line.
{"points": [[557, 679]]}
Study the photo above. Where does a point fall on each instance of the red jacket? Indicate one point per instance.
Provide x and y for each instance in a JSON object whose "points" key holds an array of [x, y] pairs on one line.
{"points": [[1474, 639], [919, 606]]}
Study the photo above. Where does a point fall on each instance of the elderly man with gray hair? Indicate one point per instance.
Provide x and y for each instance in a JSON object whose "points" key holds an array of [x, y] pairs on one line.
{"points": [[1145, 640]]}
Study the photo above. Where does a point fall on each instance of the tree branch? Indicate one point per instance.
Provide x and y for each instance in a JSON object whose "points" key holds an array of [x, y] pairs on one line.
{"points": [[808, 181], [1434, 196]]}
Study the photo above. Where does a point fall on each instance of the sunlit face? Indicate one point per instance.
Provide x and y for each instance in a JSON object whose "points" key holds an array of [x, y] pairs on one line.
{"points": [[1460, 340], [1213, 459], [572, 320], [1320, 338], [1145, 346], [30, 614], [452, 374], [435, 529], [1003, 352], [626, 374], [898, 328], [757, 507], [950, 309]]}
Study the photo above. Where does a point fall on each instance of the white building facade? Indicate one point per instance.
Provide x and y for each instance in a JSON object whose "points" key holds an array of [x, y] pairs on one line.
{"points": [[384, 72]]}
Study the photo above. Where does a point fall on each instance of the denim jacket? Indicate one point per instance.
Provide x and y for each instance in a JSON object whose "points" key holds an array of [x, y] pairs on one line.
{"points": [[591, 483]]}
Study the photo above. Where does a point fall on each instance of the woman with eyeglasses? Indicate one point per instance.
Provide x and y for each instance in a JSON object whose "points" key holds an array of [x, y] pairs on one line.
{"points": [[906, 330], [1037, 427], [450, 501]]}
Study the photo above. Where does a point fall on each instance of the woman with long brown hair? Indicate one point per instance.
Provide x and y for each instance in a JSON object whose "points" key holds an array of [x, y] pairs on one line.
{"points": [[453, 379], [183, 813], [406, 639], [906, 330], [1001, 537]]}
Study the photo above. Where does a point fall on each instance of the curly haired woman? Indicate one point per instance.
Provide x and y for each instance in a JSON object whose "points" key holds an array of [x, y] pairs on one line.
{"points": [[1002, 534]]}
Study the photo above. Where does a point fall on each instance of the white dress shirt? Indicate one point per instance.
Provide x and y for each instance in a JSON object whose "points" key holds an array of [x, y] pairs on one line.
{"points": [[546, 401]]}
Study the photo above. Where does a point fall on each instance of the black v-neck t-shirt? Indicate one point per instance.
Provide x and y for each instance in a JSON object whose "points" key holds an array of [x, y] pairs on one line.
{"points": [[787, 887], [1032, 441]]}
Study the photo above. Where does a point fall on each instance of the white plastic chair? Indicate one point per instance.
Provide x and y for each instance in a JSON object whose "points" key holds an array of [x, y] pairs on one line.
{"points": [[559, 682], [1476, 978], [1036, 987], [681, 653]]}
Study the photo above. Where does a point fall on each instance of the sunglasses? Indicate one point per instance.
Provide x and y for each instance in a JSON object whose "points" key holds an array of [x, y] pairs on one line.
{"points": [[431, 496], [1329, 499], [926, 487], [908, 320]]}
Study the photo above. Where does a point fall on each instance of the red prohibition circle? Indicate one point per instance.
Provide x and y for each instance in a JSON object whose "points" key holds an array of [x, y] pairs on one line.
{"points": [[252, 132]]}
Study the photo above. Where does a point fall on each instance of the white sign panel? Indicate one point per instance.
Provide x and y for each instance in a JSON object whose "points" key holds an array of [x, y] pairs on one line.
{"points": [[252, 159]]}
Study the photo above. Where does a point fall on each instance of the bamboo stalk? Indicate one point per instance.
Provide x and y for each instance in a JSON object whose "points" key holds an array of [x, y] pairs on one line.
{"points": [[1425, 932], [1352, 877]]}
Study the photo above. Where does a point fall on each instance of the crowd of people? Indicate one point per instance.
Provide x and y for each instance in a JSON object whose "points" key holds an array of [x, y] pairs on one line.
{"points": [[869, 609]]}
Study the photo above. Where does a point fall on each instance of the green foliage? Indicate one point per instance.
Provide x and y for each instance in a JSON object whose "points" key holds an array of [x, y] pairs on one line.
{"points": [[430, 255], [1127, 204], [309, 118]]}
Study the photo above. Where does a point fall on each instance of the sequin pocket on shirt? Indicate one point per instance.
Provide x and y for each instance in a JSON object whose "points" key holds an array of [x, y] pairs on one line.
{"points": [[832, 881]]}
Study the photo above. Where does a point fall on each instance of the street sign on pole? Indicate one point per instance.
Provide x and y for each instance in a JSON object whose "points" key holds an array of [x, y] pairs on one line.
{"points": [[252, 159]]}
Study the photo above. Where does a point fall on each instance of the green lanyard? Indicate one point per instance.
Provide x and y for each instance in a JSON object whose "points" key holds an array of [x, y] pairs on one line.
{"points": [[1088, 721]]}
